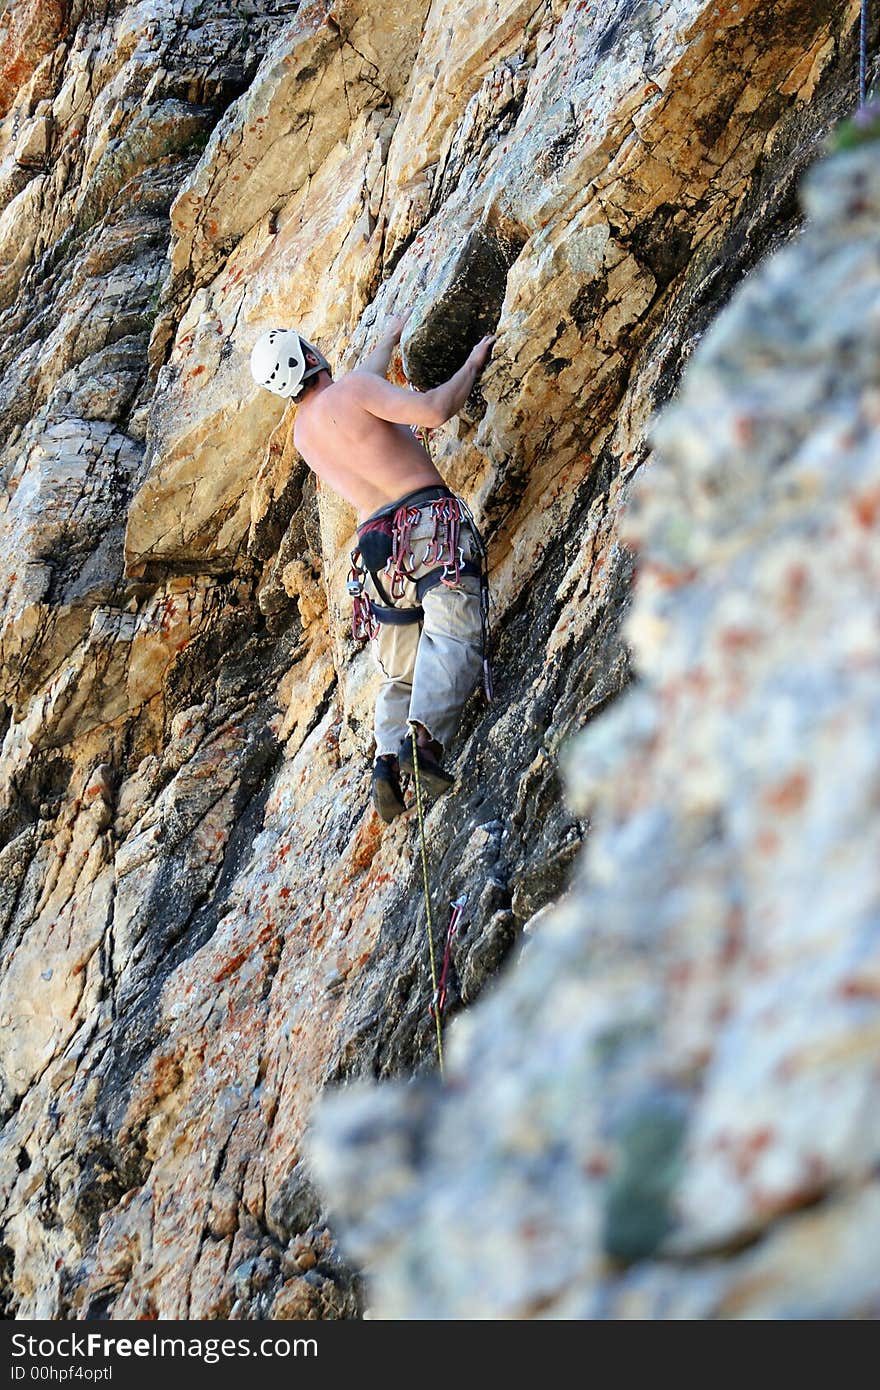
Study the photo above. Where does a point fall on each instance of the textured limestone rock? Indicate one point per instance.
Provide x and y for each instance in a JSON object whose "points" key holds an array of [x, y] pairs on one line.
{"points": [[684, 1061], [203, 922]]}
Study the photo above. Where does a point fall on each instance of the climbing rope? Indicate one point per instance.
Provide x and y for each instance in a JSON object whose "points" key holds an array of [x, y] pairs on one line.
{"points": [[447, 519], [428, 916], [863, 55]]}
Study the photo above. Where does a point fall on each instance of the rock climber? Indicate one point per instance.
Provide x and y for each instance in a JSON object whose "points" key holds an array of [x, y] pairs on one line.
{"points": [[418, 575]]}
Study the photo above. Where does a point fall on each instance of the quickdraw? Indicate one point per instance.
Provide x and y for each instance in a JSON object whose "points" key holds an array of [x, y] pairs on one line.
{"points": [[402, 564], [444, 547], [438, 1003], [364, 625]]}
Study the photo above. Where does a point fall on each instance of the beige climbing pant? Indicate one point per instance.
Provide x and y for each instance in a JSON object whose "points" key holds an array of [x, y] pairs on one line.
{"points": [[428, 668]]}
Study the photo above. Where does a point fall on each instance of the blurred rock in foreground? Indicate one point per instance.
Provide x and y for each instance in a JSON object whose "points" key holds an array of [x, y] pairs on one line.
{"points": [[670, 1106]]}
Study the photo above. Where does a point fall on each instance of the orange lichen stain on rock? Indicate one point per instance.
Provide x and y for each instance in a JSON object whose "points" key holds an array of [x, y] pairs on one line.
{"points": [[867, 508], [266, 933], [744, 430], [789, 794], [796, 584], [318, 934], [600, 560], [680, 973], [696, 681], [734, 639], [767, 842], [667, 578], [858, 989], [27, 33], [747, 1151], [366, 844], [167, 1075], [231, 965]]}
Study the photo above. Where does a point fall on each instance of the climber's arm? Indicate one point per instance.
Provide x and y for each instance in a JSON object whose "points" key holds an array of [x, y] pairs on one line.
{"points": [[428, 408], [449, 398], [389, 402], [377, 361]]}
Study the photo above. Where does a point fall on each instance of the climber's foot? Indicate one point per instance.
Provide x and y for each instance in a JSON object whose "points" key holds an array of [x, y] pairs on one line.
{"points": [[432, 776], [385, 788]]}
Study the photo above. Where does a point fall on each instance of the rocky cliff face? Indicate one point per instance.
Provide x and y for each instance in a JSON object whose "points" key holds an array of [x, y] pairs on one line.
{"points": [[203, 922]]}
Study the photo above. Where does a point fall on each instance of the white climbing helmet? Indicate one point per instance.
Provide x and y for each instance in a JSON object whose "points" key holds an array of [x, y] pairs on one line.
{"points": [[278, 362]]}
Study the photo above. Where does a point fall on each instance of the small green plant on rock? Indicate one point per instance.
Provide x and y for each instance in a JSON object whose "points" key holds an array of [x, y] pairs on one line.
{"points": [[859, 129]]}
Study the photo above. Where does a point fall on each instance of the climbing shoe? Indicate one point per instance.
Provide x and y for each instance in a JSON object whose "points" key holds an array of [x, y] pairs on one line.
{"points": [[385, 788], [433, 778]]}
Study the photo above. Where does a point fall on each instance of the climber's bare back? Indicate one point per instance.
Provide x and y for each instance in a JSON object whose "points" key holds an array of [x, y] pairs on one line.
{"points": [[368, 461]]}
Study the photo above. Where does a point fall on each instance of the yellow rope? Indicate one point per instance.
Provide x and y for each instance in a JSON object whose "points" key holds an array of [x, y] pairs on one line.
{"points": [[418, 785]]}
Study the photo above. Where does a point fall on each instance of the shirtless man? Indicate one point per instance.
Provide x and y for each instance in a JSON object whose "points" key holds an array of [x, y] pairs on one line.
{"points": [[420, 554]]}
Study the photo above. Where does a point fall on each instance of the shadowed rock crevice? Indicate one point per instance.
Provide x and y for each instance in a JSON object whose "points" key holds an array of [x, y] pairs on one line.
{"points": [[7, 1272], [465, 306]]}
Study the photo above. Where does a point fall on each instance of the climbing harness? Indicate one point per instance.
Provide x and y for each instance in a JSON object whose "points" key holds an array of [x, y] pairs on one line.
{"points": [[428, 916], [386, 551]]}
